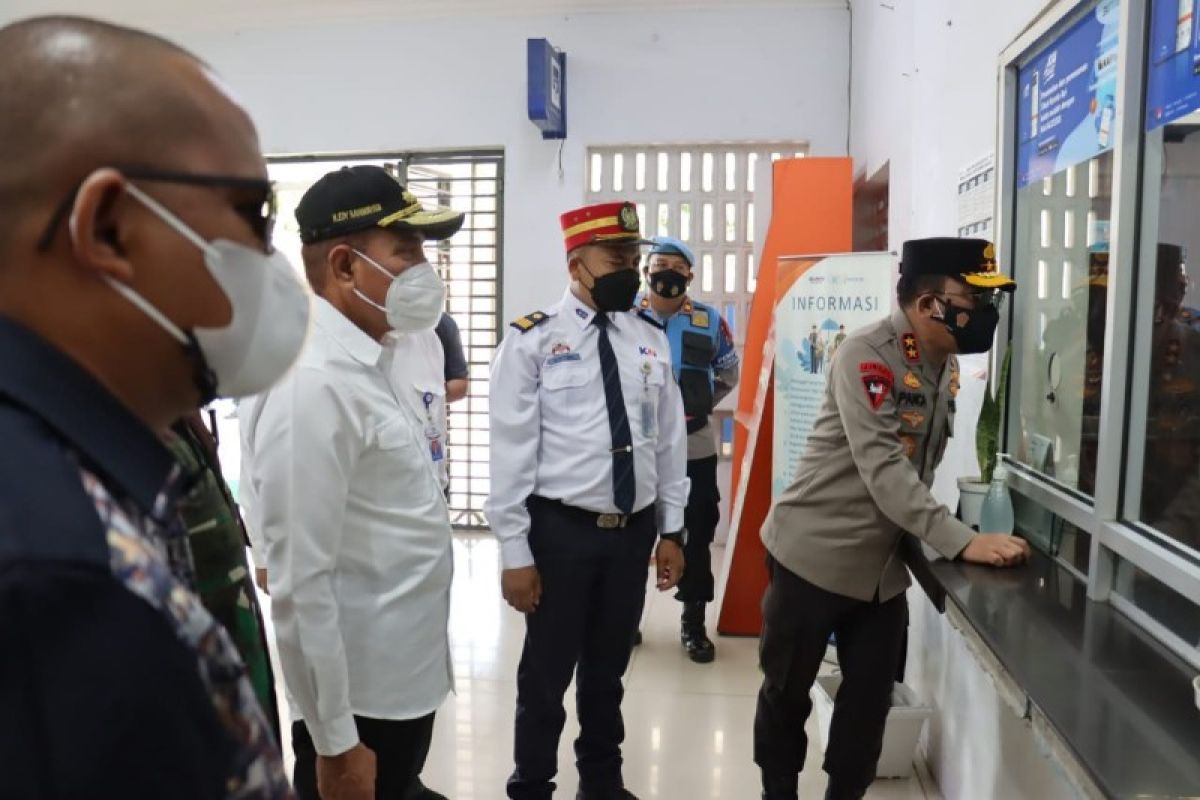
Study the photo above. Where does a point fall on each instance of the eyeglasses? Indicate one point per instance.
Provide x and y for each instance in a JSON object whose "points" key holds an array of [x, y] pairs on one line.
{"points": [[259, 213], [990, 298]]}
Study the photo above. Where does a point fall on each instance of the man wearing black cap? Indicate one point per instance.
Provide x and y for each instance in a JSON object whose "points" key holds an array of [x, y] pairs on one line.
{"points": [[833, 537], [348, 503]]}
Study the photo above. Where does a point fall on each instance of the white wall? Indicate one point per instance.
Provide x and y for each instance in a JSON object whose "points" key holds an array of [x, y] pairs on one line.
{"points": [[924, 98], [389, 82]]}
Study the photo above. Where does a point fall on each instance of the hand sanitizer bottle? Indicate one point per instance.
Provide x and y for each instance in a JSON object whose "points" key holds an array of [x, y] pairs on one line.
{"points": [[997, 514]]}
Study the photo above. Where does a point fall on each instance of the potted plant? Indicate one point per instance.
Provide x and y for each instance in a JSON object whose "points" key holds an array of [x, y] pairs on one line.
{"points": [[987, 447]]}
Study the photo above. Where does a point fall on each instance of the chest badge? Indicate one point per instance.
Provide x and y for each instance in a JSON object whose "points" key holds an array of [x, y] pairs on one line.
{"points": [[912, 380], [955, 385], [561, 348], [910, 446], [913, 419], [647, 351], [911, 352], [700, 318]]}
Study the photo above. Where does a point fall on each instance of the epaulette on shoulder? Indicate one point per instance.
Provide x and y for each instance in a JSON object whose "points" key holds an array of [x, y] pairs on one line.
{"points": [[646, 316], [530, 321]]}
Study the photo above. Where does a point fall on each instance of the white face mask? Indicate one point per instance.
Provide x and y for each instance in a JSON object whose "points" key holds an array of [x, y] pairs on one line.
{"points": [[270, 314], [415, 299]]}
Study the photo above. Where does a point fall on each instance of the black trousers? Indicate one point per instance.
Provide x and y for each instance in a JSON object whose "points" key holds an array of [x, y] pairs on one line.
{"points": [[593, 590], [400, 748], [798, 618], [701, 516]]}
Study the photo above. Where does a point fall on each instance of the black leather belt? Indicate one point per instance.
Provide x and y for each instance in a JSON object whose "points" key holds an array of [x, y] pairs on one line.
{"points": [[595, 518]]}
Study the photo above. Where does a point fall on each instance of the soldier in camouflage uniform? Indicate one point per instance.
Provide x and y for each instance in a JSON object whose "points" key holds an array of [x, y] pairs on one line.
{"points": [[218, 541]]}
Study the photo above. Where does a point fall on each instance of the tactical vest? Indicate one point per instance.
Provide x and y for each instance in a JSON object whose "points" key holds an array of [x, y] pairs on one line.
{"points": [[695, 336]]}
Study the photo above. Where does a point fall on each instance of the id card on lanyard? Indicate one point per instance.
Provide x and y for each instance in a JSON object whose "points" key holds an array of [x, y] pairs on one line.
{"points": [[649, 426], [432, 433]]}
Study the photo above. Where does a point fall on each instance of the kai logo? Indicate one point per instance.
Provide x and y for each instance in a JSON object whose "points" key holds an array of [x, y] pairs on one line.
{"points": [[647, 351]]}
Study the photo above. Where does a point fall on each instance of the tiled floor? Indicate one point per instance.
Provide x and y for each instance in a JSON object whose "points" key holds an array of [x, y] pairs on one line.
{"points": [[688, 725]]}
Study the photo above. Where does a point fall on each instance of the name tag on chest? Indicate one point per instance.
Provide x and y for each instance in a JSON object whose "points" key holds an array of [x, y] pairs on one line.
{"points": [[561, 358]]}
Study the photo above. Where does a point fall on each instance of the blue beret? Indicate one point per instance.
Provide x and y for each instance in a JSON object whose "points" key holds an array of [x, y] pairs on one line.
{"points": [[670, 246]]}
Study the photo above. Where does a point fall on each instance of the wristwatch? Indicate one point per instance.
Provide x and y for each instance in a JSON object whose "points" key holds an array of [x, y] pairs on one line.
{"points": [[679, 537]]}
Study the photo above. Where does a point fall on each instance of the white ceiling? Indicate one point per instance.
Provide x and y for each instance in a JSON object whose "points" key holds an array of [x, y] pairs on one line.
{"points": [[204, 13]]}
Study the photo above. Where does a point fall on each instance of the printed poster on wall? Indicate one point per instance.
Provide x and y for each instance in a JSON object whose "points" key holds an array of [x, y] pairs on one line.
{"points": [[1173, 79], [822, 299], [1067, 101]]}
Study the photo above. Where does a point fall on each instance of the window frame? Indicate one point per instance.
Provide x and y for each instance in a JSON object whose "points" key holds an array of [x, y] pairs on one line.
{"points": [[1127, 337]]}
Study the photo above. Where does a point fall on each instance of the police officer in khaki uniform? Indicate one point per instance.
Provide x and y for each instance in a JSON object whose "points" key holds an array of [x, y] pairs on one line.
{"points": [[833, 537]]}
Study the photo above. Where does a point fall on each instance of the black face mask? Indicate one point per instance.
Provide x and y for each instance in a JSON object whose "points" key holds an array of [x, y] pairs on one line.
{"points": [[668, 284], [976, 335], [615, 291]]}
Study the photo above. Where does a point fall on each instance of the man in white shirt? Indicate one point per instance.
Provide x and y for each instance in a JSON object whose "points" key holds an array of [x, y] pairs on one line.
{"points": [[588, 438], [348, 501]]}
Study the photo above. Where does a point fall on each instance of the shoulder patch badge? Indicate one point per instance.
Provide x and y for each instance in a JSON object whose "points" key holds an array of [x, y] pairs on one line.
{"points": [[877, 381], [911, 352], [529, 322], [726, 332]]}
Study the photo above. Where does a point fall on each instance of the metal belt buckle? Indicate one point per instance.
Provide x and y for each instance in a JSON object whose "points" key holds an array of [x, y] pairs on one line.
{"points": [[610, 521]]}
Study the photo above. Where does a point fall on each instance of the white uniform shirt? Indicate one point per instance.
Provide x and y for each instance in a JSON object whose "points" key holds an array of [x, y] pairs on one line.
{"points": [[415, 363], [357, 538], [550, 434]]}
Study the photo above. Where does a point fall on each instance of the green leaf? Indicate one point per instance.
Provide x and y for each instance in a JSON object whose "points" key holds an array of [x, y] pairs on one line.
{"points": [[991, 416]]}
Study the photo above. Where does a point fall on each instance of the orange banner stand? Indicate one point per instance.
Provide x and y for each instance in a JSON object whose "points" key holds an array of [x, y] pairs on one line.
{"points": [[811, 212]]}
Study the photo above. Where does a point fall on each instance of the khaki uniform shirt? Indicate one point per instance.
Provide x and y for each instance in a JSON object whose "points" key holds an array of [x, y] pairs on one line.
{"points": [[864, 479]]}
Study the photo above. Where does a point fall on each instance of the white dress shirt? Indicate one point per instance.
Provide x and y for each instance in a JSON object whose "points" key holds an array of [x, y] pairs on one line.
{"points": [[550, 434], [357, 538], [415, 363]]}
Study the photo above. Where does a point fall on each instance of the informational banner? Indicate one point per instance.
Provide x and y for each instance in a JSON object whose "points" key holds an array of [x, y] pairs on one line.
{"points": [[821, 300], [1173, 82], [1067, 102]]}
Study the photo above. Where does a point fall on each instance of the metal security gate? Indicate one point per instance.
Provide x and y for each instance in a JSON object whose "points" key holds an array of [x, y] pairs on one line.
{"points": [[471, 265], [704, 195]]}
